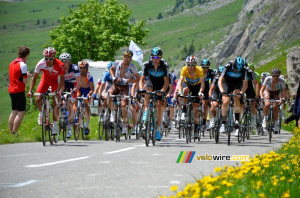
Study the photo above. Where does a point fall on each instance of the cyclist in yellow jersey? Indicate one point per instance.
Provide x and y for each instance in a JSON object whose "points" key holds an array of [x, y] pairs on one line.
{"points": [[191, 80]]}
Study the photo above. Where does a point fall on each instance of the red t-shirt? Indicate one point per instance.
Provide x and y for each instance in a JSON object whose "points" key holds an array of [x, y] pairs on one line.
{"points": [[17, 72]]}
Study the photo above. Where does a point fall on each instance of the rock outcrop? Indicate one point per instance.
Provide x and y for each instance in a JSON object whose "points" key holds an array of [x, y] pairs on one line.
{"points": [[293, 68]]}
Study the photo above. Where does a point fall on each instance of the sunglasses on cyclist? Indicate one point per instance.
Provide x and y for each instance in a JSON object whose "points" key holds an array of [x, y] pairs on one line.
{"points": [[205, 67], [65, 61], [275, 76], [82, 67], [48, 59], [191, 64], [155, 57]]}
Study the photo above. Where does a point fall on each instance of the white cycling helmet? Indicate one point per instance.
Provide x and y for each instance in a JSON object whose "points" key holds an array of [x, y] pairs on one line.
{"points": [[65, 56]]}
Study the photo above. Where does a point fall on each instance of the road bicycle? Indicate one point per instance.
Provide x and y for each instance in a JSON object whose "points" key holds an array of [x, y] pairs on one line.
{"points": [[245, 126], [139, 121], [63, 116], [166, 120], [259, 117], [270, 117], [102, 118], [216, 129], [230, 124], [150, 122], [47, 119], [79, 121], [188, 123]]}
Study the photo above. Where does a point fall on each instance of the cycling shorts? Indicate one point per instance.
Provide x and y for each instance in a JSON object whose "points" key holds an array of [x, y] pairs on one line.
{"points": [[194, 89], [84, 91], [230, 87], [271, 94], [250, 93], [18, 101], [215, 95], [119, 89], [43, 86]]}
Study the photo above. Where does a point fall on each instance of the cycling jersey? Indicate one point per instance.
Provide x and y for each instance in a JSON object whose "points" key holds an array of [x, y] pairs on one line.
{"points": [[107, 79], [70, 77], [208, 77], [50, 74], [88, 79], [233, 77], [188, 79], [129, 73], [156, 76], [17, 72], [216, 92], [279, 86], [250, 92]]}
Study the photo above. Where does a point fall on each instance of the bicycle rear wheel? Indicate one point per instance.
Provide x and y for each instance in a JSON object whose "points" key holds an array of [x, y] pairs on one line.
{"points": [[118, 125], [153, 130], [64, 131], [77, 120]]}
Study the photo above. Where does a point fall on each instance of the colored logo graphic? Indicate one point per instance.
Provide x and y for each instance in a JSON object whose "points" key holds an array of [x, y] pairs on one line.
{"points": [[186, 157]]}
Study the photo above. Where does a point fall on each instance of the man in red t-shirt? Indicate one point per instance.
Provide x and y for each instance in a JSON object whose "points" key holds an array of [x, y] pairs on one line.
{"points": [[18, 77], [54, 76]]}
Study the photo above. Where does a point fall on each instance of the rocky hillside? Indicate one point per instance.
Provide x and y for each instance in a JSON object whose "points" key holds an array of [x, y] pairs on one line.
{"points": [[264, 28]]}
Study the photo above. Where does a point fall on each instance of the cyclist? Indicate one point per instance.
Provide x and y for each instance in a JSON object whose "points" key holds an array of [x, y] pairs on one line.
{"points": [[53, 69], [251, 91], [85, 87], [208, 78], [172, 87], [191, 80], [271, 89], [71, 73], [232, 80], [214, 93], [157, 73], [122, 73]]}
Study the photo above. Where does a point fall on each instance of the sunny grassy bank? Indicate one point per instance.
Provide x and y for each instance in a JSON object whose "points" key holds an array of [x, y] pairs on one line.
{"points": [[273, 174]]}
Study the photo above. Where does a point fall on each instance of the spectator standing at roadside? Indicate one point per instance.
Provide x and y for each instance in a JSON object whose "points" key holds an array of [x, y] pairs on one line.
{"points": [[18, 78], [297, 104]]}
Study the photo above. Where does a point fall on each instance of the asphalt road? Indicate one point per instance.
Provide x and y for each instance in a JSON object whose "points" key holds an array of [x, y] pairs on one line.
{"points": [[110, 169]]}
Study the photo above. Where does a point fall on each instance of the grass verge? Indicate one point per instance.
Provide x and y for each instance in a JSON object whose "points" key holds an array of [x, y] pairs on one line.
{"points": [[273, 174]]}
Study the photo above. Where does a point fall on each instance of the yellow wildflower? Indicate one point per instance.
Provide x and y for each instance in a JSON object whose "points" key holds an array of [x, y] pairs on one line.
{"points": [[173, 188]]}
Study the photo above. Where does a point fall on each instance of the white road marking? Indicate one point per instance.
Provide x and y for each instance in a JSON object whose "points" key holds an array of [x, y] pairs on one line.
{"points": [[7, 170], [158, 186], [17, 155], [54, 163], [121, 150], [18, 184], [139, 145]]}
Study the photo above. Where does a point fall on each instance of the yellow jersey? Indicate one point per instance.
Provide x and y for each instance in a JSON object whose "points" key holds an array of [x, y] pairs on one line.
{"points": [[195, 80]]}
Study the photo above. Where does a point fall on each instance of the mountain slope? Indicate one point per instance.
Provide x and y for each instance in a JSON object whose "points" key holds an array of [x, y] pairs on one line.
{"points": [[264, 28]]}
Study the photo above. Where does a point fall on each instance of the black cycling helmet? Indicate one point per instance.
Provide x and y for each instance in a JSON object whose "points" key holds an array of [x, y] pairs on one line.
{"points": [[205, 62], [238, 64], [275, 71], [156, 51], [128, 53]]}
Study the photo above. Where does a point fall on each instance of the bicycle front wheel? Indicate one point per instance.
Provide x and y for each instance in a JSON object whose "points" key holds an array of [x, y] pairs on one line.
{"points": [[44, 124], [76, 126]]}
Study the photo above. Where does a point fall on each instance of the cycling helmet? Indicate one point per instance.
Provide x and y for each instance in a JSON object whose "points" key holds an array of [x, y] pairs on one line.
{"points": [[220, 69], [84, 64], [156, 51], [192, 59], [276, 71], [265, 74], [205, 62], [65, 56], [251, 66], [109, 65], [128, 53], [238, 64], [282, 77], [50, 51]]}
